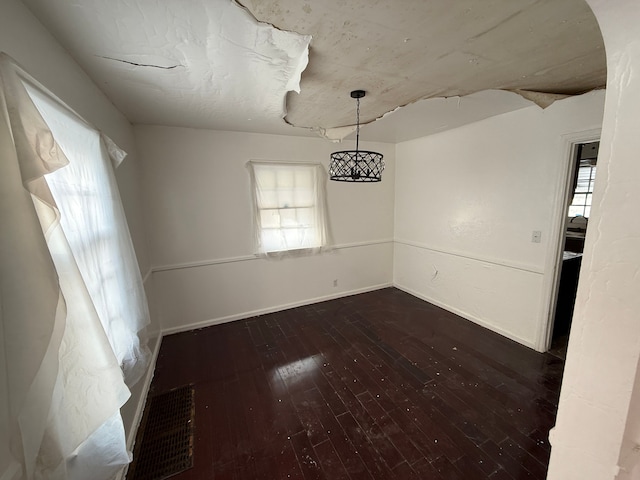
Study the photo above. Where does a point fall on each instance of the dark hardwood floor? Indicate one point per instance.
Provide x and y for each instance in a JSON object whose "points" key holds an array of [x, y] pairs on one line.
{"points": [[378, 385]]}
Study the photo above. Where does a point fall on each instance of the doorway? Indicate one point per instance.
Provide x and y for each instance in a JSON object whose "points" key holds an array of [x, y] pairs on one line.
{"points": [[576, 220]]}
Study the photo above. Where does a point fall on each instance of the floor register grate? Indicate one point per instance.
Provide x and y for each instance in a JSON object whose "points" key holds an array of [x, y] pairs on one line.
{"points": [[164, 445]]}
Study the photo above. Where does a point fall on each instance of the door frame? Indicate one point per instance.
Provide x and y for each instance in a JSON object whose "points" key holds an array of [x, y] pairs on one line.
{"points": [[562, 201]]}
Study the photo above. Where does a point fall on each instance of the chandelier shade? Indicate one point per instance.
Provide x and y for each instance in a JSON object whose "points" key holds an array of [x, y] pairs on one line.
{"points": [[356, 165]]}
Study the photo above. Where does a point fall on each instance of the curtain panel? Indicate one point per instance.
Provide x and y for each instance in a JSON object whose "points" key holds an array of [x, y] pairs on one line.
{"points": [[70, 348], [289, 208]]}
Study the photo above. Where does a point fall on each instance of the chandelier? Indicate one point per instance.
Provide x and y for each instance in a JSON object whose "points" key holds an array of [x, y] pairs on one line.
{"points": [[356, 165]]}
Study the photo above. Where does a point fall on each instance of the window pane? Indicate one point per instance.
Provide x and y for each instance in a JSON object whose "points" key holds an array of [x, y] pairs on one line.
{"points": [[285, 198], [265, 177], [288, 217], [270, 218], [574, 211], [303, 196], [285, 179], [300, 238], [305, 216], [268, 198], [293, 238], [586, 175], [581, 202], [579, 199], [271, 240]]}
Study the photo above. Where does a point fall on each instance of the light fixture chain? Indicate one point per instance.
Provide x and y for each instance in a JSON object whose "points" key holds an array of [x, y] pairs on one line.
{"points": [[357, 124]]}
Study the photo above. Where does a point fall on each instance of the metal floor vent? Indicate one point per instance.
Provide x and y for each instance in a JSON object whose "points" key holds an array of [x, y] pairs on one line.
{"points": [[164, 445]]}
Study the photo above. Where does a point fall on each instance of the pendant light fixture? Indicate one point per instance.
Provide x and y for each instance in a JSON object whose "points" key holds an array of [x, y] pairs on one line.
{"points": [[356, 165]]}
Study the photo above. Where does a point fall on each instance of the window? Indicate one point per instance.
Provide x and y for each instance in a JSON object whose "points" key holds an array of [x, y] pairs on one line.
{"points": [[585, 178], [289, 206], [95, 229]]}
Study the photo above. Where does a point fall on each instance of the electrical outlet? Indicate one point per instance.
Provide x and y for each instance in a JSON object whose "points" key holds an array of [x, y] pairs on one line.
{"points": [[536, 236]]}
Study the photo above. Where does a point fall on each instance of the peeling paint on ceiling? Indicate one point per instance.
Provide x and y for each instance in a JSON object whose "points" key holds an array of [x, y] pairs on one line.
{"points": [[439, 114], [184, 63], [219, 65], [404, 50]]}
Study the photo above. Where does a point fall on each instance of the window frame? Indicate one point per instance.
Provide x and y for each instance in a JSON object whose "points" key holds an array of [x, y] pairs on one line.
{"points": [[584, 206], [582, 194], [269, 198]]}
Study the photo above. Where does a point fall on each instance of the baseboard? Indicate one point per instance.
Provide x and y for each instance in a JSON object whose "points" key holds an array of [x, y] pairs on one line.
{"points": [[145, 391], [12, 472], [137, 418], [468, 316], [264, 311]]}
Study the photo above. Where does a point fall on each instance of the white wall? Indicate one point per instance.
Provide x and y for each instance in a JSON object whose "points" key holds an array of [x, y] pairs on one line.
{"points": [[601, 371], [200, 225], [467, 202], [26, 40]]}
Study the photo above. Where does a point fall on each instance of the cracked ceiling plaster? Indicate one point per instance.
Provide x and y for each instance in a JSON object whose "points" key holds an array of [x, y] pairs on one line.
{"points": [[210, 64]]}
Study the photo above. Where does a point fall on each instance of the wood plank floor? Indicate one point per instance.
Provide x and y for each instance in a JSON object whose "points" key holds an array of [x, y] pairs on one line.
{"points": [[373, 386]]}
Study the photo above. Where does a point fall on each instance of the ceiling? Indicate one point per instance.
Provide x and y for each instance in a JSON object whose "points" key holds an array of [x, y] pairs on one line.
{"points": [[288, 66]]}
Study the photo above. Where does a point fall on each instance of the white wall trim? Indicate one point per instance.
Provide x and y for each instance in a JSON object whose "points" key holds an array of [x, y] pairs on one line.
{"points": [[204, 263], [494, 261], [263, 311], [467, 316], [342, 246], [246, 258], [12, 472]]}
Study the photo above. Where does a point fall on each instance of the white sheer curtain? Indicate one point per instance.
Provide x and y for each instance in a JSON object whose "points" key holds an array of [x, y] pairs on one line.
{"points": [[289, 207], [93, 221], [73, 303]]}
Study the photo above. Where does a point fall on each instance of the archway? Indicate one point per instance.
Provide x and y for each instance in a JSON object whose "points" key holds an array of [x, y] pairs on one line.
{"points": [[597, 424]]}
